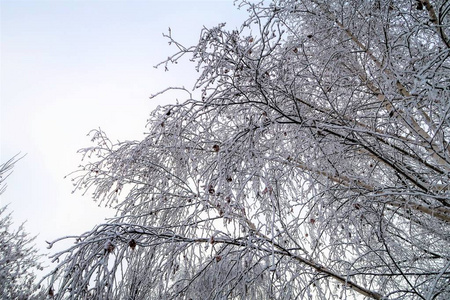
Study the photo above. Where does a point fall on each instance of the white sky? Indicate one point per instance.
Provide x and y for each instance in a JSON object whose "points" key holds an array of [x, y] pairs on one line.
{"points": [[70, 66]]}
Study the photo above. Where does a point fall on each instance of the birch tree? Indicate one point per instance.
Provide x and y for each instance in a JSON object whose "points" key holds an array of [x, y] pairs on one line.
{"points": [[311, 161]]}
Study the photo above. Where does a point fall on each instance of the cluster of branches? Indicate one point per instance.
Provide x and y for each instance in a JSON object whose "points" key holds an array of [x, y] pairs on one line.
{"points": [[18, 256], [314, 163]]}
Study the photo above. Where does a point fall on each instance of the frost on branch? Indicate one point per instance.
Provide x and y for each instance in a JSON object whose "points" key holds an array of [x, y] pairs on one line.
{"points": [[18, 256], [315, 162]]}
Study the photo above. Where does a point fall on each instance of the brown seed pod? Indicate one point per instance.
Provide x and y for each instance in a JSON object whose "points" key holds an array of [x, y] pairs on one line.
{"points": [[132, 244], [419, 5], [109, 247], [211, 190]]}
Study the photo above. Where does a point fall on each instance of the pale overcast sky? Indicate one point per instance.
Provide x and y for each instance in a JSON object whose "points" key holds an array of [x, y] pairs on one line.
{"points": [[70, 66]]}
